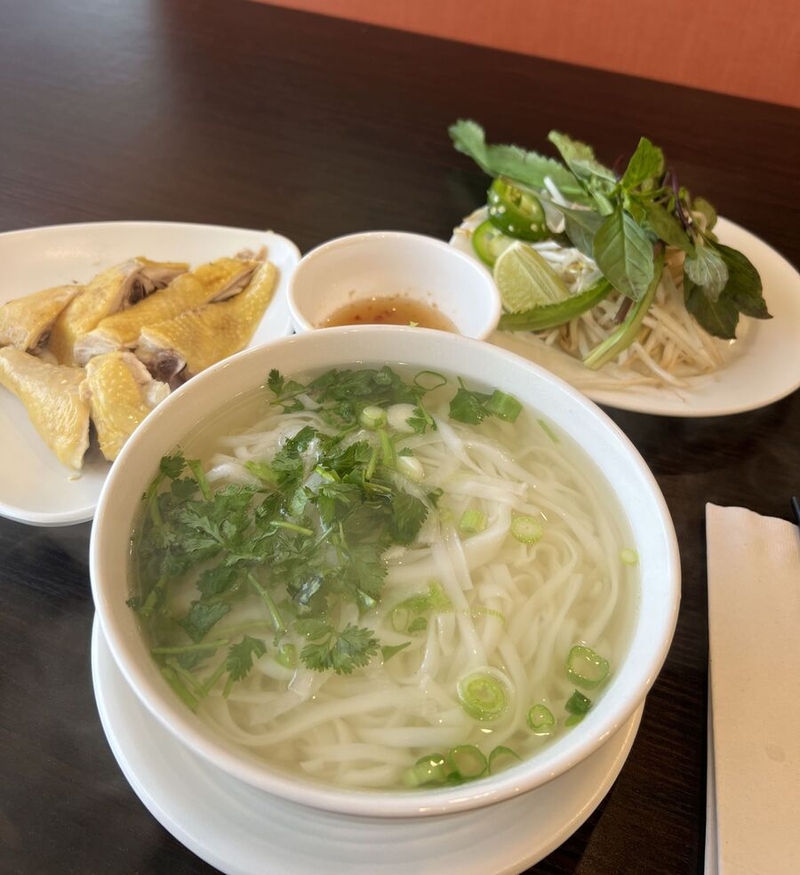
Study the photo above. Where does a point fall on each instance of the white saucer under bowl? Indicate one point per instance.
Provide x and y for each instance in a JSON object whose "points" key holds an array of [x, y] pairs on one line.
{"points": [[243, 831]]}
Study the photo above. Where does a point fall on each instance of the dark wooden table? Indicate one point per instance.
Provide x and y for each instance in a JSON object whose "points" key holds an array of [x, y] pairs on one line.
{"points": [[241, 114]]}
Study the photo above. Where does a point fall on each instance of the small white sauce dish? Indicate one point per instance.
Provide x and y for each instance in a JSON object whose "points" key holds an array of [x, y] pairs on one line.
{"points": [[375, 265]]}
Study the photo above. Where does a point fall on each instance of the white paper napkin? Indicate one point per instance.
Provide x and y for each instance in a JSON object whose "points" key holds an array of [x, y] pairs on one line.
{"points": [[754, 692]]}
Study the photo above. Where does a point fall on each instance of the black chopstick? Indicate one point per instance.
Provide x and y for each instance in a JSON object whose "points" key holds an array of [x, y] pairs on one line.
{"points": [[795, 502]]}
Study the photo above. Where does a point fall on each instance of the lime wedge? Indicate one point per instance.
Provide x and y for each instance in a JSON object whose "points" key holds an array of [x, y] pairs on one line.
{"points": [[526, 281]]}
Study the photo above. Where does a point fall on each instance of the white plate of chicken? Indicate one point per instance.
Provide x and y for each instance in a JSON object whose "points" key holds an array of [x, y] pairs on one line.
{"points": [[101, 321]]}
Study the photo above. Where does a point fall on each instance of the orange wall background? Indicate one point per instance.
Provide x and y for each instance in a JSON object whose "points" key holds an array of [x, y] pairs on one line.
{"points": [[740, 47]]}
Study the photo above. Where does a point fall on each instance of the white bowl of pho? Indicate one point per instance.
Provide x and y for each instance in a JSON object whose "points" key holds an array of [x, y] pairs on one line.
{"points": [[385, 571], [393, 278]]}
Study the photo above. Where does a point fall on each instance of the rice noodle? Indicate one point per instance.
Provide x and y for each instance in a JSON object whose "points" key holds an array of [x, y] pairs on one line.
{"points": [[511, 608]]}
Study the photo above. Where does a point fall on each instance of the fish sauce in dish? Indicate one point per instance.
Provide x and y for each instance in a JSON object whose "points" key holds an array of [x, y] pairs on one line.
{"points": [[378, 578], [391, 310]]}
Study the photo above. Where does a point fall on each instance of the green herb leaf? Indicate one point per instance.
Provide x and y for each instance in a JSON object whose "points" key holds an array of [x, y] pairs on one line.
{"points": [[343, 651], [409, 515], [201, 617], [581, 226], [526, 168], [707, 268], [241, 656], [624, 254], [719, 318], [285, 391], [467, 406], [646, 165], [665, 225], [744, 283], [581, 161]]}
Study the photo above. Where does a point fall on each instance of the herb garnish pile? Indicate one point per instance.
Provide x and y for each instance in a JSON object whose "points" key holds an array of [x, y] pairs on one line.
{"points": [[623, 220], [308, 538]]}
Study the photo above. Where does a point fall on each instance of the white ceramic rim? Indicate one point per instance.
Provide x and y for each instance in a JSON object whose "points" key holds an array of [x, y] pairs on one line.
{"points": [[564, 407], [469, 264]]}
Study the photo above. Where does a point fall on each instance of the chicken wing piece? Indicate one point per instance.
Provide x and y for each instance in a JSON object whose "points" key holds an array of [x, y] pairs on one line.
{"points": [[52, 397], [179, 348], [120, 392], [214, 281], [26, 322], [114, 289]]}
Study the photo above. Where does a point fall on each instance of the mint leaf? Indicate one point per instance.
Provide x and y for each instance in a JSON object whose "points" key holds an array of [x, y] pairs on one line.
{"points": [[719, 318], [665, 225], [707, 269], [646, 164], [624, 254], [744, 283], [528, 168]]}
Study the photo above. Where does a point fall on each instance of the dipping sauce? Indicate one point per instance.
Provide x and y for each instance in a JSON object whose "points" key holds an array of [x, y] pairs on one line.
{"points": [[391, 310]]}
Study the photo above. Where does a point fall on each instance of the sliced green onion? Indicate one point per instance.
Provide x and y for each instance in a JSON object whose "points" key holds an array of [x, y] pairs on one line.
{"points": [[372, 417], [541, 719], [286, 656], [388, 453], [629, 556], [526, 529], [501, 758], [466, 761], [472, 521], [426, 770], [482, 696], [418, 624], [577, 704], [585, 667], [503, 406]]}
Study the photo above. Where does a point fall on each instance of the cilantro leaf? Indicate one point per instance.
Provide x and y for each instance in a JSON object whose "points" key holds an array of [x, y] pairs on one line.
{"points": [[241, 656], [201, 617], [580, 158], [468, 406], [409, 515], [285, 391], [343, 651], [528, 168]]}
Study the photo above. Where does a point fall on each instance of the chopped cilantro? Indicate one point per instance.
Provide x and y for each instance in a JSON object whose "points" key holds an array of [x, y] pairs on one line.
{"points": [[305, 540]]}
